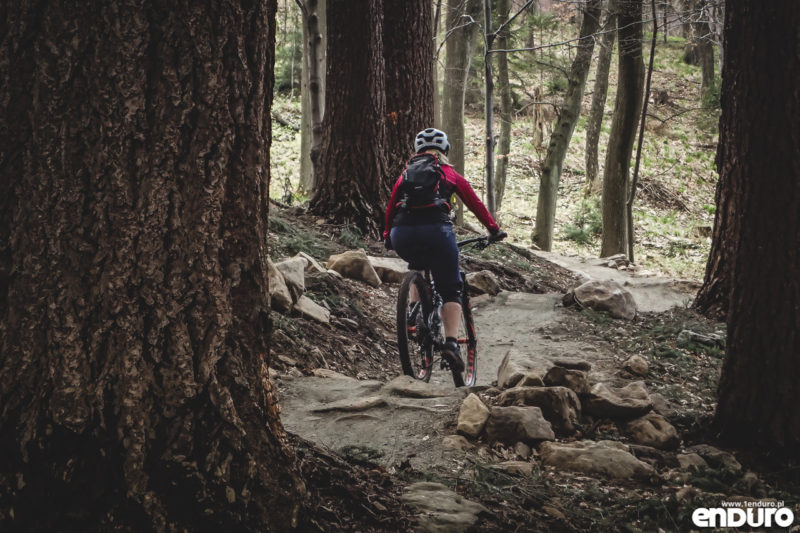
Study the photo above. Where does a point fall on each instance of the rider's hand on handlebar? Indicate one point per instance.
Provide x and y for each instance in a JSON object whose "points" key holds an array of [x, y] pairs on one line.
{"points": [[498, 235]]}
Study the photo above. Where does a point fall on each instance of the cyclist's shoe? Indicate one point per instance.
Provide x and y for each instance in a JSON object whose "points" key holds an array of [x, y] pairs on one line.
{"points": [[452, 354]]}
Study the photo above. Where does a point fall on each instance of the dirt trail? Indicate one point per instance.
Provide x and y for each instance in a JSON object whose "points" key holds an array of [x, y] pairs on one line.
{"points": [[390, 424]]}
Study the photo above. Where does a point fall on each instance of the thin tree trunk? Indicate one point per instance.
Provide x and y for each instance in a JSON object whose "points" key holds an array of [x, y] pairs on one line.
{"points": [[489, 106], [642, 122], [462, 30], [437, 100], [506, 110], [627, 109], [760, 183], [562, 133], [134, 310], [313, 102], [594, 121], [408, 55], [352, 172]]}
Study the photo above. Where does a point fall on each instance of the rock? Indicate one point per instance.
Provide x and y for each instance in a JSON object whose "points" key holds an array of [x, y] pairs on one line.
{"points": [[608, 296], [508, 374], [531, 379], [691, 461], [662, 406], [657, 458], [389, 269], [334, 274], [559, 376], [519, 468], [523, 450], [351, 404], [354, 264], [443, 510], [280, 297], [483, 282], [413, 388], [653, 430], [308, 308], [688, 337], [472, 416], [573, 363], [715, 457], [512, 424], [607, 458], [293, 271], [555, 513], [313, 265], [636, 364], [327, 373], [630, 401], [560, 406], [480, 299], [457, 442]]}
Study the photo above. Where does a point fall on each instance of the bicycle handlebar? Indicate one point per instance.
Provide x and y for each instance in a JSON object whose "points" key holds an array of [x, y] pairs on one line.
{"points": [[484, 239]]}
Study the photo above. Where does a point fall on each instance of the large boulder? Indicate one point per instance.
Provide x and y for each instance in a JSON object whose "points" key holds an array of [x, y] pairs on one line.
{"points": [[608, 296], [280, 296], [354, 264], [575, 380], [442, 510], [293, 271], [472, 416], [560, 406], [483, 282], [630, 401], [308, 308], [514, 424], [653, 430], [508, 373], [389, 269], [607, 458]]}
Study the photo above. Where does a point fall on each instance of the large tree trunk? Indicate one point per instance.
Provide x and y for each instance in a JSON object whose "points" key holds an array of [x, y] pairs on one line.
{"points": [[627, 108], [352, 173], [462, 31], [134, 304], [562, 133], [408, 53], [594, 121], [506, 110], [760, 180], [313, 88]]}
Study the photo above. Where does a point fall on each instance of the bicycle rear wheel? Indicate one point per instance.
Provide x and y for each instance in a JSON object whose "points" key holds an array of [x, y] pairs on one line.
{"points": [[414, 341]]}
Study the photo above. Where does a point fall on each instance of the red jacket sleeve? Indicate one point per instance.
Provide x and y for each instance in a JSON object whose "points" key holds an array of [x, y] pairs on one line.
{"points": [[470, 199], [391, 209]]}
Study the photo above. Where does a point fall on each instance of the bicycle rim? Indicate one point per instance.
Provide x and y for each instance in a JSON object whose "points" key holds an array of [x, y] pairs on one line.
{"points": [[413, 344]]}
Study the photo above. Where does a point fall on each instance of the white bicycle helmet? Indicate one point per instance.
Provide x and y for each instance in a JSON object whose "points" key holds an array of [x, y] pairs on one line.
{"points": [[431, 138]]}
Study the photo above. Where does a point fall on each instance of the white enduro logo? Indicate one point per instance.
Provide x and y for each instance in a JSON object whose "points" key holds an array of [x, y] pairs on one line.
{"points": [[737, 514]]}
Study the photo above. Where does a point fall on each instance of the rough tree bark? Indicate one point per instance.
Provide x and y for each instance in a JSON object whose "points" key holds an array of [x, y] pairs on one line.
{"points": [[627, 108], [760, 182], [408, 53], [134, 172], [594, 121], [562, 133], [462, 30], [313, 88], [352, 172], [506, 109]]}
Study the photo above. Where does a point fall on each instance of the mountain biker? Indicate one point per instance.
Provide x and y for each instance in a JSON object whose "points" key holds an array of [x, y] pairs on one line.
{"points": [[423, 234]]}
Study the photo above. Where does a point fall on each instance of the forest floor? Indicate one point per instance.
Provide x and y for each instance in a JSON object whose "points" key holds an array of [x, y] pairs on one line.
{"points": [[359, 424]]}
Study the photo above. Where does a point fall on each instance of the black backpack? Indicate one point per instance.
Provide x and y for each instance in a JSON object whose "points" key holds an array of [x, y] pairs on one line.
{"points": [[420, 188]]}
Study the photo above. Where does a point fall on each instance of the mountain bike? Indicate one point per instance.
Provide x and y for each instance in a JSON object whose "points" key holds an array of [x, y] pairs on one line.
{"points": [[419, 325]]}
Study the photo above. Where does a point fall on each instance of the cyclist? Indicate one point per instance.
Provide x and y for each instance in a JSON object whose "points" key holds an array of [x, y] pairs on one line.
{"points": [[423, 234]]}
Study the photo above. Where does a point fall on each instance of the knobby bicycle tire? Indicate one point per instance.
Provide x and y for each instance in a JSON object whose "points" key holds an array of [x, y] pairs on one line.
{"points": [[468, 343], [416, 352]]}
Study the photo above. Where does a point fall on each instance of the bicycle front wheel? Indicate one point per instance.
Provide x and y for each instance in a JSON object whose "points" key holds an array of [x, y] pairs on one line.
{"points": [[468, 343], [414, 341]]}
